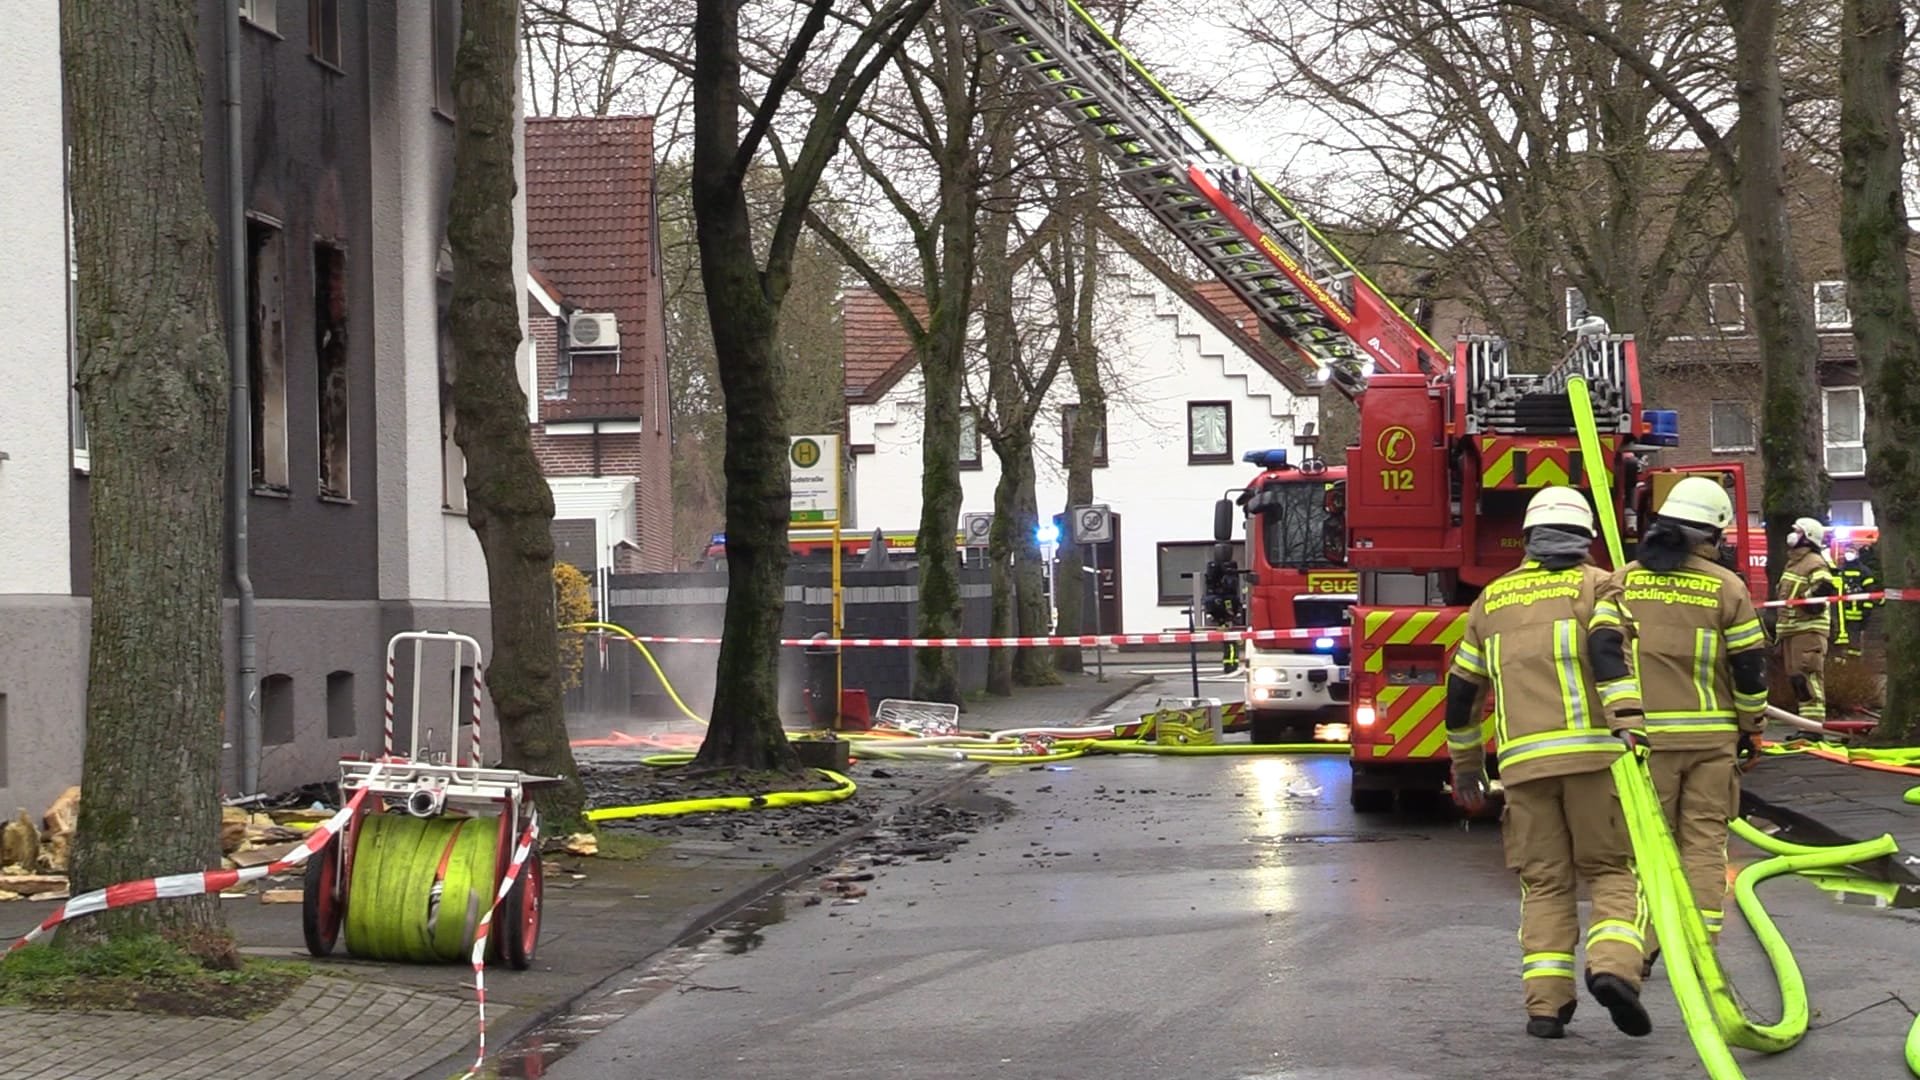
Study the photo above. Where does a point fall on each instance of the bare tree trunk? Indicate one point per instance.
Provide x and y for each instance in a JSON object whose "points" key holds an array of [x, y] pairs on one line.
{"points": [[746, 731], [1002, 423], [1033, 667], [1088, 428], [1790, 443], [942, 366], [509, 504], [153, 388], [1874, 234]]}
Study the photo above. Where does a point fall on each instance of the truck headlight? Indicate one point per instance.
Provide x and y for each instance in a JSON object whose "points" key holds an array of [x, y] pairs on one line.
{"points": [[1267, 676]]}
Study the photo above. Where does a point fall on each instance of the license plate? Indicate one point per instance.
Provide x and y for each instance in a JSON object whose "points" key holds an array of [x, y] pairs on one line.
{"points": [[1345, 675]]}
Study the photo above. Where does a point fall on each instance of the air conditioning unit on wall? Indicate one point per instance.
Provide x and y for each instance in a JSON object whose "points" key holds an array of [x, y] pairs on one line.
{"points": [[593, 330]]}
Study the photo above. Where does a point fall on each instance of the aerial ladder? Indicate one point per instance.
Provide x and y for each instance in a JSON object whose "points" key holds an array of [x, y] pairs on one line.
{"points": [[1449, 449], [1252, 238]]}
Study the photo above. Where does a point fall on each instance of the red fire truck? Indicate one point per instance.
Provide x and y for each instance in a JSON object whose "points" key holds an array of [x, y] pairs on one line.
{"points": [[1449, 448], [1292, 578]]}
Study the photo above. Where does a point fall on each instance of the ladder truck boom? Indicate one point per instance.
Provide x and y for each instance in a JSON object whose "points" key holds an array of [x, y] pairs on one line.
{"points": [[1295, 280]]}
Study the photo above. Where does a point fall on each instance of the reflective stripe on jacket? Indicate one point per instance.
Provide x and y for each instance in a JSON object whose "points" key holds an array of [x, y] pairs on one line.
{"points": [[1687, 625], [1526, 636], [1805, 572]]}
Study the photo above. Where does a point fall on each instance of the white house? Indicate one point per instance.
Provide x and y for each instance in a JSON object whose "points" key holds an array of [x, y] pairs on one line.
{"points": [[1190, 389]]}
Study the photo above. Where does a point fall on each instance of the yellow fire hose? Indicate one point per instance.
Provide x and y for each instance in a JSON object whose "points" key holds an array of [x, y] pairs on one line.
{"points": [[419, 886], [1713, 1017], [623, 632]]}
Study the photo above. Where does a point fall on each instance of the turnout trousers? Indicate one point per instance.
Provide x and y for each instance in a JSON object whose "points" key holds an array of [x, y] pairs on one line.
{"points": [[1558, 831], [1804, 656], [1699, 793]]}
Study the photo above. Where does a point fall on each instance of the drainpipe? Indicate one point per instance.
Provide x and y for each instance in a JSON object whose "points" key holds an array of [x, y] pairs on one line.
{"points": [[240, 426], [596, 449]]}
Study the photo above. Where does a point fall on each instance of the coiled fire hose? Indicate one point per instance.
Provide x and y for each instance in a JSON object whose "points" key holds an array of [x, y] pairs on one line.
{"points": [[1713, 1017], [420, 886]]}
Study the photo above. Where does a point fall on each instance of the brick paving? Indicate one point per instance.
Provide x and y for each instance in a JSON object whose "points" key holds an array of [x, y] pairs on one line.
{"points": [[331, 1027], [361, 1019], [1827, 802]]}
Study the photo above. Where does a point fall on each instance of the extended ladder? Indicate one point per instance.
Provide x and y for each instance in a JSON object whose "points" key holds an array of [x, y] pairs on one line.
{"points": [[1293, 278]]}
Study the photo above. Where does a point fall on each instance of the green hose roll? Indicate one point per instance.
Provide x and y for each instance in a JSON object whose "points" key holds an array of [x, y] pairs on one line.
{"points": [[392, 913]]}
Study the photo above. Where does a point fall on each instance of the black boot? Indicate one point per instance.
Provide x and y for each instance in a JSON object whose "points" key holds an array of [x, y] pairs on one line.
{"points": [[1546, 1027], [1566, 1012], [1646, 966], [1621, 1001]]}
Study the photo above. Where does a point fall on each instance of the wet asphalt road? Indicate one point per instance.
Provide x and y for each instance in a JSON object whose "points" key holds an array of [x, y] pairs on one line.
{"points": [[1207, 919]]}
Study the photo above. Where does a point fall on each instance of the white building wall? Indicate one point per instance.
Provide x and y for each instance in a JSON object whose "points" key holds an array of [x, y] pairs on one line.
{"points": [[34, 409], [426, 553], [1158, 354]]}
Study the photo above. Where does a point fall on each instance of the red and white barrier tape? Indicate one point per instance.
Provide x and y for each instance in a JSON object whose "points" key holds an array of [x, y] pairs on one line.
{"points": [[1845, 598], [520, 854], [1182, 637], [177, 886]]}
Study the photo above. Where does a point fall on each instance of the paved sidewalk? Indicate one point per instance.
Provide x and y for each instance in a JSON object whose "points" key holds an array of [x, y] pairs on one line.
{"points": [[1827, 802], [1069, 704], [376, 1020]]}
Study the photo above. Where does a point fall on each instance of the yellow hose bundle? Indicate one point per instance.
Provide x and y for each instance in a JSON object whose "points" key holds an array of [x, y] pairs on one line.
{"points": [[392, 909]]}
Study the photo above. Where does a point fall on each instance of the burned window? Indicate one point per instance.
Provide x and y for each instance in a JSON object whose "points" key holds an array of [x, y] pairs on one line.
{"points": [[266, 355], [446, 40], [330, 354], [323, 30], [453, 463]]}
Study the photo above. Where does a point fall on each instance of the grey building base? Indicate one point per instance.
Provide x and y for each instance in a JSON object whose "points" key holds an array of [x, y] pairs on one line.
{"points": [[322, 670]]}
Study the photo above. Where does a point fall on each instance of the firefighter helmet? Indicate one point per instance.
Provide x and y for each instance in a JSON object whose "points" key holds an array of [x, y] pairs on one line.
{"points": [[1815, 533], [1698, 500], [1561, 506]]}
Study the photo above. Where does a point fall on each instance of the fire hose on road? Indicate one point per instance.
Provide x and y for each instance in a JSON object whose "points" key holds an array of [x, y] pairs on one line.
{"points": [[1714, 1019]]}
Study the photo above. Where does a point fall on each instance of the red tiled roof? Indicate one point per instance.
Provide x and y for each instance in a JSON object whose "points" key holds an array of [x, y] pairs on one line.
{"points": [[1228, 303], [877, 348], [590, 229]]}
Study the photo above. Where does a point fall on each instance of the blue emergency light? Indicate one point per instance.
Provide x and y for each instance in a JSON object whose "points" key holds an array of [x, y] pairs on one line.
{"points": [[1266, 459], [1047, 533], [1663, 427], [1323, 644]]}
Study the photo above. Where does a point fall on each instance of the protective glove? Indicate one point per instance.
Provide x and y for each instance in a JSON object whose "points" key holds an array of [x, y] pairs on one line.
{"points": [[1628, 729], [1747, 752], [1470, 790]]}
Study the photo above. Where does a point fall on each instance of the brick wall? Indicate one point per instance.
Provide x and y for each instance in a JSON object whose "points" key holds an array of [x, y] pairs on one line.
{"points": [[1691, 390], [644, 455]]}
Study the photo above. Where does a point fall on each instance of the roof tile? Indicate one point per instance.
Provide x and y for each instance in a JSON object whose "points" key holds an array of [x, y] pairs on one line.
{"points": [[590, 230]]}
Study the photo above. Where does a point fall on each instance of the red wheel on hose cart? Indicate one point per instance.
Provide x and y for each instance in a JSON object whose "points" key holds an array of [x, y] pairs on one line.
{"points": [[322, 903], [519, 915]]}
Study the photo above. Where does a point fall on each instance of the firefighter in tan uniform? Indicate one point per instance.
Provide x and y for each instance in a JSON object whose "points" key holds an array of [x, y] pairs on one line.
{"points": [[1701, 660], [1803, 629], [1539, 638]]}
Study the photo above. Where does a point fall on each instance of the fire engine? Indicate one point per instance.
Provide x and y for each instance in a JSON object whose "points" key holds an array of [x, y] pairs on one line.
{"points": [[1450, 446]]}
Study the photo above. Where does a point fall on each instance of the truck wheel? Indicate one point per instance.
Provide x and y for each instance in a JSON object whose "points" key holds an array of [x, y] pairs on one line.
{"points": [[1371, 800]]}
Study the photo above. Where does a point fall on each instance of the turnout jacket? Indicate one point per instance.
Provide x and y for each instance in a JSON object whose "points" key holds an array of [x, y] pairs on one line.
{"points": [[1548, 644], [1699, 652], [1807, 576]]}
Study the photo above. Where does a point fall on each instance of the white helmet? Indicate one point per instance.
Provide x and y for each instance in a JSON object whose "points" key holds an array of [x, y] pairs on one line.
{"points": [[1815, 532], [1698, 500], [1559, 506]]}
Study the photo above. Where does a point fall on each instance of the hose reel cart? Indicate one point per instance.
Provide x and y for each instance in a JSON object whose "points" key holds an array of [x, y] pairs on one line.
{"points": [[421, 860]]}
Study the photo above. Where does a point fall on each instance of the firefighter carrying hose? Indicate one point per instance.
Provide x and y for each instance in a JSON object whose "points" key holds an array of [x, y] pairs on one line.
{"points": [[1547, 639], [1701, 655], [1803, 628]]}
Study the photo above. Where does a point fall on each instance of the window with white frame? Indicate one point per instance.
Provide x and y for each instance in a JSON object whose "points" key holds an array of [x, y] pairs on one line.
{"points": [[1830, 305], [82, 457], [1209, 432], [1730, 427], [1576, 304], [260, 13], [1844, 420], [969, 438], [1727, 305]]}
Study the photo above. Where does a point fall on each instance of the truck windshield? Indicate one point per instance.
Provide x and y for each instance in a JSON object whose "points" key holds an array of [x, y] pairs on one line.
{"points": [[1295, 520]]}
